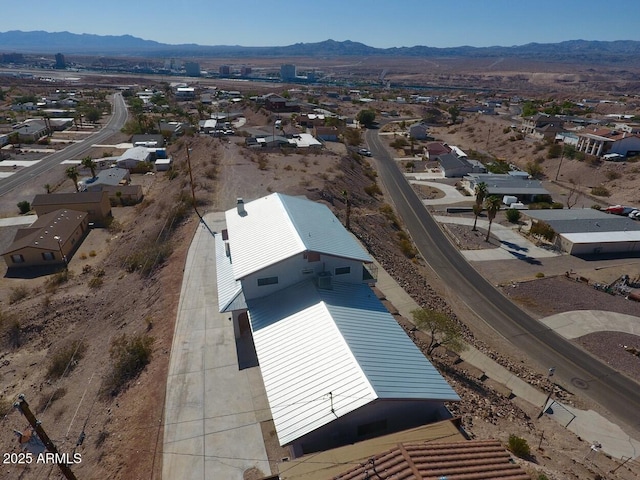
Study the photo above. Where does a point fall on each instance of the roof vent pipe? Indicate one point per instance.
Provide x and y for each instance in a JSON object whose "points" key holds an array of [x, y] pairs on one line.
{"points": [[240, 206]]}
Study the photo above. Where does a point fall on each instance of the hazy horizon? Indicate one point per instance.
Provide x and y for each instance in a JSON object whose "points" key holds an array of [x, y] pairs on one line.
{"points": [[408, 23]]}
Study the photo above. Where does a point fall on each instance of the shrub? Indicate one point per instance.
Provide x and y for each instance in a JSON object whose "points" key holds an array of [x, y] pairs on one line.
{"points": [[14, 334], [543, 230], [65, 360], [373, 189], [557, 206], [595, 206], [6, 406], [600, 191], [95, 282], [513, 215], [519, 446], [540, 275], [24, 207], [18, 293], [147, 256], [611, 175], [129, 356], [56, 280]]}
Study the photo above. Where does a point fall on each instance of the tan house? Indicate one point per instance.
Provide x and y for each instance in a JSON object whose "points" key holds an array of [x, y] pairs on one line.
{"points": [[50, 240], [96, 204]]}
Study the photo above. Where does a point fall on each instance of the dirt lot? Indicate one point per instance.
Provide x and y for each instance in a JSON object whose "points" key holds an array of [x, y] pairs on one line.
{"points": [[124, 432]]}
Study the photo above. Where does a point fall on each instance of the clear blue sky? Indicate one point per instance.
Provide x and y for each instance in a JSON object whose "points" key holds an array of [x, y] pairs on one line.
{"points": [[388, 23]]}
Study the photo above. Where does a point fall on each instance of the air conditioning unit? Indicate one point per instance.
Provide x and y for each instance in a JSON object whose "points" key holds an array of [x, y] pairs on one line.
{"points": [[324, 280]]}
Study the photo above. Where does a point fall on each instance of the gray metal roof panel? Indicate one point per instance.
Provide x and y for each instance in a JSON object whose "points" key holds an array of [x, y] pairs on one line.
{"points": [[277, 227], [311, 342]]}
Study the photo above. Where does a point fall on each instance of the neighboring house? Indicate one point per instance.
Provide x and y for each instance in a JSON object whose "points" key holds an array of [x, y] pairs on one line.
{"points": [[434, 149], [174, 129], [419, 131], [31, 130], [327, 134], [96, 204], [134, 157], [598, 141], [148, 140], [4, 139], [116, 182], [471, 459], [37, 245], [525, 189], [627, 146], [276, 103], [542, 126], [310, 120], [454, 166], [587, 231], [296, 282], [185, 93]]}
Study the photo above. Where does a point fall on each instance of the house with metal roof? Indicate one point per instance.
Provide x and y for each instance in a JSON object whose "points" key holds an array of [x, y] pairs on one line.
{"points": [[586, 231], [337, 367], [454, 166], [498, 184]]}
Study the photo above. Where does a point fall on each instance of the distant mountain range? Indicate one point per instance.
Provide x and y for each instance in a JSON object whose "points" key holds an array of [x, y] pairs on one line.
{"points": [[620, 51]]}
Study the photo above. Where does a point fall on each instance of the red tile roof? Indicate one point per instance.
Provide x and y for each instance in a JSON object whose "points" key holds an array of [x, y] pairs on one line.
{"points": [[470, 460]]}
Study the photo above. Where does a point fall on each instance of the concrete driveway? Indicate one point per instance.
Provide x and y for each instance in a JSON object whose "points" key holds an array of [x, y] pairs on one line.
{"points": [[213, 409]]}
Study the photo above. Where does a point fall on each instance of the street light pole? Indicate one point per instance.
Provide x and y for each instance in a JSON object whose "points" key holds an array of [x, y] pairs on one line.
{"points": [[64, 257]]}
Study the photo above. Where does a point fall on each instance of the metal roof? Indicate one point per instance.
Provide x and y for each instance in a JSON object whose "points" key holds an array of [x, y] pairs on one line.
{"points": [[230, 295], [277, 227], [325, 353], [603, 237], [583, 220]]}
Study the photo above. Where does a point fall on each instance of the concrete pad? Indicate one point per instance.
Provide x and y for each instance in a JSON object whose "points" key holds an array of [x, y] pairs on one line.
{"points": [[213, 409], [451, 194], [578, 323], [6, 174], [13, 221]]}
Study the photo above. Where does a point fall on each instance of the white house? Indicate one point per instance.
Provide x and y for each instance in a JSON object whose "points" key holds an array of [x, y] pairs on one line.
{"points": [[336, 365], [133, 157]]}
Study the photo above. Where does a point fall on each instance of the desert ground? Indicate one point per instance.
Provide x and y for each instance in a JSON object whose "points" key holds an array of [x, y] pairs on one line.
{"points": [[46, 316]]}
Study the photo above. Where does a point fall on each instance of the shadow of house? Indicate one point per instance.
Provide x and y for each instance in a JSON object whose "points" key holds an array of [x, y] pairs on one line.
{"points": [[49, 241]]}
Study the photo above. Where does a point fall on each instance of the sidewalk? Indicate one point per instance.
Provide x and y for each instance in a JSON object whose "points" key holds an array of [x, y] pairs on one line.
{"points": [[587, 424]]}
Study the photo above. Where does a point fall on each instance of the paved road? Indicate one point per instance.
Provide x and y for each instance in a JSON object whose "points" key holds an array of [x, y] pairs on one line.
{"points": [[75, 150], [576, 369]]}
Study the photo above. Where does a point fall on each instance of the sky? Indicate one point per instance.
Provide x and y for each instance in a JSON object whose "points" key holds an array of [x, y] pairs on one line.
{"points": [[377, 23]]}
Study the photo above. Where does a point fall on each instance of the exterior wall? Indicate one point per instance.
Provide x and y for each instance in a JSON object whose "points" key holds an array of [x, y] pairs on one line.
{"points": [[33, 257], [378, 418], [629, 145], [597, 248], [129, 194], [298, 269]]}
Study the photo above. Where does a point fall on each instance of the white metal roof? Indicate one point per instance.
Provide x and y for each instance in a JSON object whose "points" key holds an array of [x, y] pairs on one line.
{"points": [[277, 227], [229, 289], [603, 237], [334, 349]]}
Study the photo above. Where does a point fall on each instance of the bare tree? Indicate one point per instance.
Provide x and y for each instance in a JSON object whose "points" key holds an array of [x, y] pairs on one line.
{"points": [[573, 195], [441, 328]]}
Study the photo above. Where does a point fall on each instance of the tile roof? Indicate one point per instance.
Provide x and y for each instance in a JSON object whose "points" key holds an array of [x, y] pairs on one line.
{"points": [[475, 459]]}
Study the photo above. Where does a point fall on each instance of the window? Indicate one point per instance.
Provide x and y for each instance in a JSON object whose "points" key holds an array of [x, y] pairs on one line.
{"points": [[48, 256], [267, 281], [17, 258], [343, 270]]}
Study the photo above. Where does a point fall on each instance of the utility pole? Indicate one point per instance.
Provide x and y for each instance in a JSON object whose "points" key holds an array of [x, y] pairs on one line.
{"points": [[23, 406]]}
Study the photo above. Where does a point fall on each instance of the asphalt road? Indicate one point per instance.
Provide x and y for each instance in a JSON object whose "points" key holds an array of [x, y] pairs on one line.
{"points": [[75, 150], [576, 370]]}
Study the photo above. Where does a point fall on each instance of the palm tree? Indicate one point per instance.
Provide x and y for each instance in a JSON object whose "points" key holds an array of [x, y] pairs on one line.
{"points": [[481, 193], [87, 162], [492, 204], [72, 173]]}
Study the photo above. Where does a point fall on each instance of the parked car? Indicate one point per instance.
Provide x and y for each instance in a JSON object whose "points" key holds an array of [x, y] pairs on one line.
{"points": [[364, 152]]}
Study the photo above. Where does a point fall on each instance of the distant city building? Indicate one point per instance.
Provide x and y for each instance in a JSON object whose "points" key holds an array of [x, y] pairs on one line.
{"points": [[192, 69], [287, 72], [245, 71], [60, 63], [224, 70]]}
